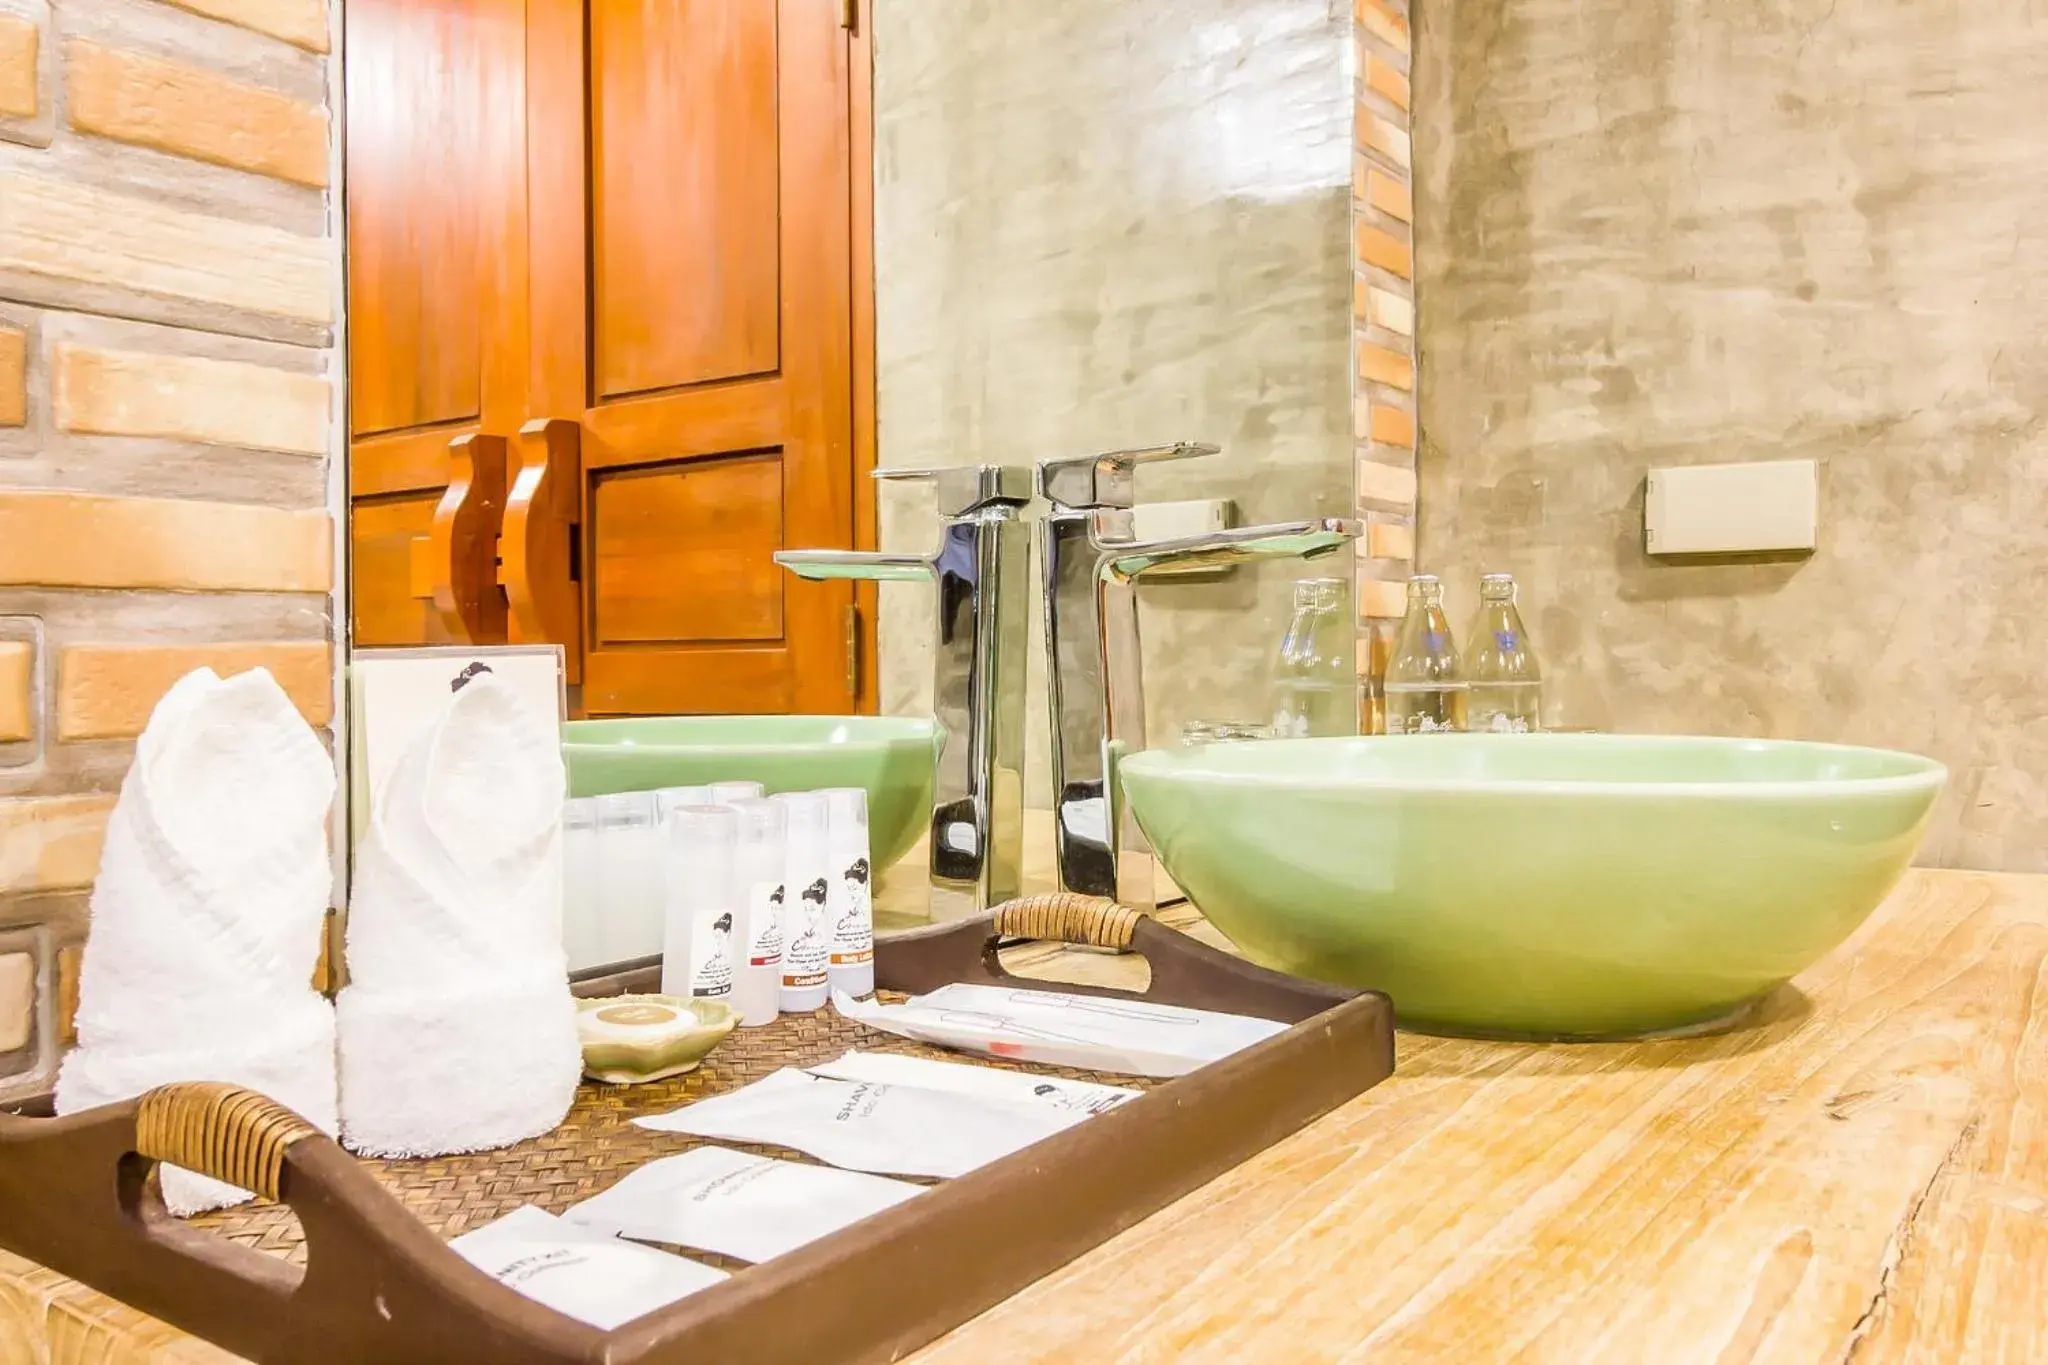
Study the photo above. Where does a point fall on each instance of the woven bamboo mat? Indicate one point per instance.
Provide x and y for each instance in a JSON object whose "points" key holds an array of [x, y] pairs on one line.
{"points": [[598, 1144]]}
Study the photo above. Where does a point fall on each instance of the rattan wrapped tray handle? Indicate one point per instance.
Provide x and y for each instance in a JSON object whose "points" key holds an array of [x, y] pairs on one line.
{"points": [[1067, 917], [221, 1131]]}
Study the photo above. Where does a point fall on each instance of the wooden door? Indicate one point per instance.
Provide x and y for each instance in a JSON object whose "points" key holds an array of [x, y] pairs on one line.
{"points": [[691, 382], [437, 267]]}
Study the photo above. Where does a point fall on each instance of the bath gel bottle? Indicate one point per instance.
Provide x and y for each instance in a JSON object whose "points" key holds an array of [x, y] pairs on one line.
{"points": [[1425, 688], [807, 882], [849, 897], [758, 861], [582, 891], [1506, 684], [1315, 683], [632, 897], [699, 949]]}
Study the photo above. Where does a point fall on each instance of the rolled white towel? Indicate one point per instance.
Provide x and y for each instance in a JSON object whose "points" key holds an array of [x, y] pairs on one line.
{"points": [[465, 1068], [207, 914], [286, 1053], [458, 1032], [214, 876]]}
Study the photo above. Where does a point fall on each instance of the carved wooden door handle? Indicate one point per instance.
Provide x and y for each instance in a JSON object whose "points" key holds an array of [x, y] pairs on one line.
{"points": [[461, 555], [537, 549]]}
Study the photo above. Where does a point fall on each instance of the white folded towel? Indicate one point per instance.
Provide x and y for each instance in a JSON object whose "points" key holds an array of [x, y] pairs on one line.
{"points": [[457, 1029], [286, 1053], [207, 914]]}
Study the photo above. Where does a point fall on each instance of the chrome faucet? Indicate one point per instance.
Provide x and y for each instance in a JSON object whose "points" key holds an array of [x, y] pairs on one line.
{"points": [[981, 569], [1090, 558]]}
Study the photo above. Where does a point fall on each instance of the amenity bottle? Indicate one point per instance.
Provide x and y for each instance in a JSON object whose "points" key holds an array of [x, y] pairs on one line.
{"points": [[1506, 683], [1315, 685], [1425, 688]]}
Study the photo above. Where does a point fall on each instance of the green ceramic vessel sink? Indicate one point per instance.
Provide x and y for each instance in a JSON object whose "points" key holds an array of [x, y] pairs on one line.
{"points": [[1537, 885], [891, 756]]}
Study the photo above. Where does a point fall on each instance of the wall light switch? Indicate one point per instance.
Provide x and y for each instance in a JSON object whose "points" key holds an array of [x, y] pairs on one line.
{"points": [[1171, 520], [1727, 509]]}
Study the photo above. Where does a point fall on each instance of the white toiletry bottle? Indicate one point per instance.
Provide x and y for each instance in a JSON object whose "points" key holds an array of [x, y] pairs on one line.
{"points": [[582, 929], [849, 900], [725, 793], [698, 949], [757, 880], [668, 800], [806, 882], [631, 901]]}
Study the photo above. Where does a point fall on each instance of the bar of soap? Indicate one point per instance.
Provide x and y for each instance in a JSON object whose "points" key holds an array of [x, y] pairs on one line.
{"points": [[633, 1039]]}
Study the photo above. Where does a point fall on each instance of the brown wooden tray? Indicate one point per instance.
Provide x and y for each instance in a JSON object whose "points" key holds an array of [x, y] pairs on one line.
{"points": [[345, 1259]]}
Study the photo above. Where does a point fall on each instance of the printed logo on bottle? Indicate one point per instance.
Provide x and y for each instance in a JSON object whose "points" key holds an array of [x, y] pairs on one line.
{"points": [[853, 919], [764, 917], [711, 976], [803, 939]]}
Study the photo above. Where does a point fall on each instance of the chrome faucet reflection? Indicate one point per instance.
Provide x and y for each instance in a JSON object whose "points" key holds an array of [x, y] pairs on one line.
{"points": [[1090, 559], [981, 570]]}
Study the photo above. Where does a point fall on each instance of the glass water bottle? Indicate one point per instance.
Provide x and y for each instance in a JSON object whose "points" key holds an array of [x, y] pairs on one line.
{"points": [[1425, 687], [1315, 685], [1507, 685]]}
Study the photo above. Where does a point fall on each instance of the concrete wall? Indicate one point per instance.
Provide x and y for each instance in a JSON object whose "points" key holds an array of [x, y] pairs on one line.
{"points": [[170, 285], [1654, 232], [1102, 224]]}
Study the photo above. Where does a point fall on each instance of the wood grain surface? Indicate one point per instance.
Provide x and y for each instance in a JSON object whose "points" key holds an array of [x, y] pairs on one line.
{"points": [[1859, 1174]]}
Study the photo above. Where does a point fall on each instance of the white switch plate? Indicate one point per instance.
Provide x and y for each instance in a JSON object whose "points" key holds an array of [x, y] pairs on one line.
{"points": [[1172, 520], [1725, 509]]}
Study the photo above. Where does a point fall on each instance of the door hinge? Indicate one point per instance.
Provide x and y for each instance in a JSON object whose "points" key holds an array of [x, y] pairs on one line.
{"points": [[852, 650], [849, 14]]}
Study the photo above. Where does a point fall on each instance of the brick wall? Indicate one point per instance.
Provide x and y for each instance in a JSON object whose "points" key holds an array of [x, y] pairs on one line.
{"points": [[1383, 322], [169, 292]]}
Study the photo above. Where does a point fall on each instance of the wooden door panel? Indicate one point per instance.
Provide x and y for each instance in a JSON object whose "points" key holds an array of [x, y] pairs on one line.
{"points": [[683, 192], [682, 552], [747, 415], [388, 608], [417, 254], [690, 682], [438, 349], [695, 322]]}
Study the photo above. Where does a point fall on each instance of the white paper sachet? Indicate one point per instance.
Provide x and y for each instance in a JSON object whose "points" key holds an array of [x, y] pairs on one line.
{"points": [[963, 1078], [1087, 1032], [886, 1129], [586, 1274], [751, 1207]]}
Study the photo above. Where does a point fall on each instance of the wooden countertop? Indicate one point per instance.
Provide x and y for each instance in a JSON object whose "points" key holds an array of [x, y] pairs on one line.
{"points": [[1860, 1174]]}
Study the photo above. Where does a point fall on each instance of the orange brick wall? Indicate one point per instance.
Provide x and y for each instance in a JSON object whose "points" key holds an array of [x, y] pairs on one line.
{"points": [[169, 297], [1383, 319]]}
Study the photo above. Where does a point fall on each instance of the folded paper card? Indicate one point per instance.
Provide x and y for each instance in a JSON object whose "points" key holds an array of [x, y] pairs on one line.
{"points": [[887, 1129], [588, 1275], [749, 1207], [1087, 1032], [208, 913]]}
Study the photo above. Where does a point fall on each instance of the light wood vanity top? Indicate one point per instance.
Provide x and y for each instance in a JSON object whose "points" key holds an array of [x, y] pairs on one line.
{"points": [[1861, 1174]]}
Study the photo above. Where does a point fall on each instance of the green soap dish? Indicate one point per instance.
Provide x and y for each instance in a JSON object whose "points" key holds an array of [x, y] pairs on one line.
{"points": [[633, 1039]]}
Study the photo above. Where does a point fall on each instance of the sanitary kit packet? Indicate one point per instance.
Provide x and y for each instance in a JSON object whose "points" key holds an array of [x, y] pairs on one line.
{"points": [[865, 1126], [748, 1207], [965, 1078], [576, 1270], [1086, 1032]]}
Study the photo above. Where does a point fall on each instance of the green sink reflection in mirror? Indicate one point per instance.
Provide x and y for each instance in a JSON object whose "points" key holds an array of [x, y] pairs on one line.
{"points": [[1537, 885], [891, 756]]}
